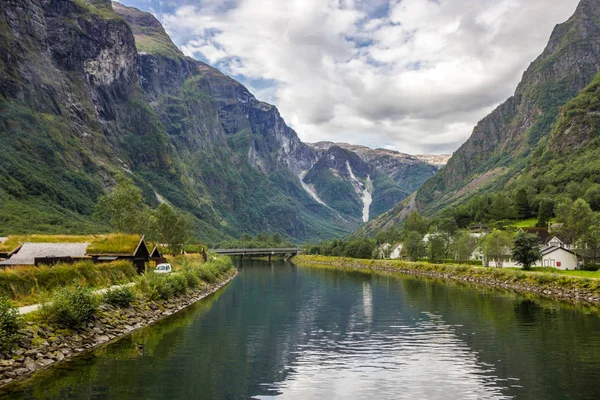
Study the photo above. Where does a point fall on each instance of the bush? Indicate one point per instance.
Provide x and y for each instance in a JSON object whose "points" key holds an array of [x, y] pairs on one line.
{"points": [[10, 323], [73, 305], [25, 281], [156, 287], [590, 267], [192, 278], [178, 283], [120, 297]]}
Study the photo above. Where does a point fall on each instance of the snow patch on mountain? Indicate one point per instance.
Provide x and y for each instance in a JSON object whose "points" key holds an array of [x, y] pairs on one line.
{"points": [[364, 191], [310, 189]]}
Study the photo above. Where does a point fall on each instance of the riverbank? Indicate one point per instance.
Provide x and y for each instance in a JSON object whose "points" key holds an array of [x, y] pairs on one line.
{"points": [[555, 286], [43, 345]]}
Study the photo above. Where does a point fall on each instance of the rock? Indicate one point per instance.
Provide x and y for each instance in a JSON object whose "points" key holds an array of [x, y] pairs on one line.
{"points": [[66, 351], [29, 364], [21, 371], [44, 362], [19, 352], [101, 339]]}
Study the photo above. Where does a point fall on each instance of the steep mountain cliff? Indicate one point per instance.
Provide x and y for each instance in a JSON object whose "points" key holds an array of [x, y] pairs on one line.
{"points": [[507, 145], [90, 89], [374, 180]]}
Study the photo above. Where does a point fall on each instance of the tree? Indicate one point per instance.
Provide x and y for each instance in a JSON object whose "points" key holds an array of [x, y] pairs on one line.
{"points": [[576, 218], [124, 208], [522, 204], [590, 241], [592, 196], [496, 245], [463, 246], [437, 248], [416, 223], [545, 212], [277, 239], [414, 246], [172, 227], [526, 250], [262, 237], [502, 208]]}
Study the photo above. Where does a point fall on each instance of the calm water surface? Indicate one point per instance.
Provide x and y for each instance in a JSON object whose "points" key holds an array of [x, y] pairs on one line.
{"points": [[291, 332]]}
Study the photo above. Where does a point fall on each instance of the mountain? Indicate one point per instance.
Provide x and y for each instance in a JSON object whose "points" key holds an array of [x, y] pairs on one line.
{"points": [[374, 180], [90, 90], [526, 135]]}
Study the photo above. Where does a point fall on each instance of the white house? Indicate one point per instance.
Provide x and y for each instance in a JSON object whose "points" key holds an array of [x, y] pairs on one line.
{"points": [[556, 242], [560, 258], [396, 252]]}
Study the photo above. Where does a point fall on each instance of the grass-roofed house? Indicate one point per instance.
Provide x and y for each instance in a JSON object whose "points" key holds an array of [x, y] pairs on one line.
{"points": [[52, 249], [120, 247]]}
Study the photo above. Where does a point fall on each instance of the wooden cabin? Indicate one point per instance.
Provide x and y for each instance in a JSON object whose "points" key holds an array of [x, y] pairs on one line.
{"points": [[53, 249]]}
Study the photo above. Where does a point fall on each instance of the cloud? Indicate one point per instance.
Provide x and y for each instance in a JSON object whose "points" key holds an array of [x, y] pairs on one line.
{"points": [[414, 75]]}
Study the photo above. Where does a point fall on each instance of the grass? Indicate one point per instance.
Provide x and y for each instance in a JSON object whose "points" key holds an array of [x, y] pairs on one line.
{"points": [[548, 270], [15, 241], [117, 243], [527, 223], [28, 284]]}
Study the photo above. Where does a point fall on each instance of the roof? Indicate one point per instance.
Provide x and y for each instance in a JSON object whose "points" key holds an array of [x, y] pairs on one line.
{"points": [[552, 249], [542, 233], [155, 253], [3, 239], [30, 251], [116, 244]]}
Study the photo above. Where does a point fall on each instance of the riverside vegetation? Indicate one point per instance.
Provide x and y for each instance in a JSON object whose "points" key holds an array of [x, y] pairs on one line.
{"points": [[75, 319], [577, 289]]}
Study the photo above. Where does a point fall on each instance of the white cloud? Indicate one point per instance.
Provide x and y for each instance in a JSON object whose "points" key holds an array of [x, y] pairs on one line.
{"points": [[414, 75]]}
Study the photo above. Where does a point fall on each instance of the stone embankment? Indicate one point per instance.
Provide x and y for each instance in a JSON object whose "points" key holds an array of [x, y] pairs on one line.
{"points": [[554, 286], [44, 345]]}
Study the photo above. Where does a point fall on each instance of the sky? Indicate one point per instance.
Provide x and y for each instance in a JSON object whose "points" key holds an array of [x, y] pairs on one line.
{"points": [[408, 75]]}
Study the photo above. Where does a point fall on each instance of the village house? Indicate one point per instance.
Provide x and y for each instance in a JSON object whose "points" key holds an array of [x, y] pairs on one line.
{"points": [[560, 258], [396, 252], [49, 250]]}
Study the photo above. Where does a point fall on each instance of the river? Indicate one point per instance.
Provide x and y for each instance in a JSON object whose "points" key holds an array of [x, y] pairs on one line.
{"points": [[289, 332]]}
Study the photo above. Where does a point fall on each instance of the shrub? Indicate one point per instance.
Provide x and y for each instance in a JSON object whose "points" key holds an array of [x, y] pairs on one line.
{"points": [[10, 323], [24, 281], [178, 283], [192, 278], [73, 305], [157, 287], [207, 273], [120, 296]]}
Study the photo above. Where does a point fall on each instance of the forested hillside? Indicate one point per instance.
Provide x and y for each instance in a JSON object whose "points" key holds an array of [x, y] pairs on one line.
{"points": [[91, 90], [537, 146]]}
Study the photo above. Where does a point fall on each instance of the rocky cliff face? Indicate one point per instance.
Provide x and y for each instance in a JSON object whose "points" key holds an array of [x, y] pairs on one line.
{"points": [[510, 133], [90, 89], [509, 142], [380, 177]]}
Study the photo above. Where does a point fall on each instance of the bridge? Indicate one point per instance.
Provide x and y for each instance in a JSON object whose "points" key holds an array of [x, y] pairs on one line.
{"points": [[289, 252]]}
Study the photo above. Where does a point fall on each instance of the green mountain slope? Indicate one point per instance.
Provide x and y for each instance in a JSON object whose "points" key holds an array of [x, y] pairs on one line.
{"points": [[517, 138], [91, 89]]}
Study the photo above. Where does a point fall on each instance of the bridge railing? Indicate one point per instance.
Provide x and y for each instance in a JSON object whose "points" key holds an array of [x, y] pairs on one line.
{"points": [[272, 251]]}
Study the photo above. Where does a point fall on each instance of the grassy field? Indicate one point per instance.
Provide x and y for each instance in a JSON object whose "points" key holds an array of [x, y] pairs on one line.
{"points": [[28, 284], [527, 223], [554, 271]]}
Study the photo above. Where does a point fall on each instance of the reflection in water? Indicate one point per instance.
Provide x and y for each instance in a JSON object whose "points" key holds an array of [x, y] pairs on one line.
{"points": [[303, 333], [367, 302]]}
